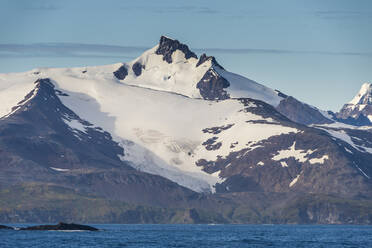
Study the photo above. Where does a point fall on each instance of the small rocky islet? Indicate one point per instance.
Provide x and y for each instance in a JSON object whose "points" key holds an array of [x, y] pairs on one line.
{"points": [[61, 226], [2, 227]]}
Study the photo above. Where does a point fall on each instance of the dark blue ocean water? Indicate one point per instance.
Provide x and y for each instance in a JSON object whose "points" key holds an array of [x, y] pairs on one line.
{"points": [[197, 236]]}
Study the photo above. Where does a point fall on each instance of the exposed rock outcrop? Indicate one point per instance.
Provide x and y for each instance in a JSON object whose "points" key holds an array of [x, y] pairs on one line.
{"points": [[212, 86], [121, 73], [137, 68], [203, 58], [300, 112], [6, 227], [167, 46]]}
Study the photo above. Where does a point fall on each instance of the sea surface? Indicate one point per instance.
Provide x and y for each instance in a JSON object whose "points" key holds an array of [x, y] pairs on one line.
{"points": [[197, 236]]}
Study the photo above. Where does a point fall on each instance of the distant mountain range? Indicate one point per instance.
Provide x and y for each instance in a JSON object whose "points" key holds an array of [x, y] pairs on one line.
{"points": [[171, 137]]}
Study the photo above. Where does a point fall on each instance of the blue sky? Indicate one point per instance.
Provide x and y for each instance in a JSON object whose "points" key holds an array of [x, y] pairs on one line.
{"points": [[319, 51]]}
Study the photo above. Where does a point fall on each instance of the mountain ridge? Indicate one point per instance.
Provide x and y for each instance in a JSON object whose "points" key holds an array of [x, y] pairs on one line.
{"points": [[173, 131]]}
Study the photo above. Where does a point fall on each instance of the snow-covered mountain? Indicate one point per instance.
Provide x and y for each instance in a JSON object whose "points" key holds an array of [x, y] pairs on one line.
{"points": [[169, 125], [170, 66], [359, 110]]}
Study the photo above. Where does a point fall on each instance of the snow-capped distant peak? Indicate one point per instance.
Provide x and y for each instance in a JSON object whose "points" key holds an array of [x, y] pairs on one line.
{"points": [[364, 95], [359, 110]]}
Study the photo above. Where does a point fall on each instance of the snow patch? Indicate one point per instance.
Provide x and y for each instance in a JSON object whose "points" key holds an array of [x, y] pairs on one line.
{"points": [[318, 160], [261, 163], [361, 171], [59, 169], [294, 181], [346, 149], [362, 106], [299, 155], [284, 164], [75, 124]]}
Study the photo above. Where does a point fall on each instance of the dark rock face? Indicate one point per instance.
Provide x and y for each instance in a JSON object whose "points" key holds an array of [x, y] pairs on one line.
{"points": [[137, 68], [212, 86], [6, 227], [254, 169], [300, 112], [204, 58], [239, 183], [121, 73], [211, 144], [60, 227], [168, 46]]}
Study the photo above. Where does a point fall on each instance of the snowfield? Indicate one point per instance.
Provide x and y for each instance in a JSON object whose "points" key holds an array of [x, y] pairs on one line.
{"points": [[161, 131]]}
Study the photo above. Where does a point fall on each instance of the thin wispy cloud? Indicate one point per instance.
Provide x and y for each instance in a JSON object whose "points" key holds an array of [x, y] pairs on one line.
{"points": [[282, 51], [69, 50], [160, 9], [338, 15], [113, 51], [44, 5]]}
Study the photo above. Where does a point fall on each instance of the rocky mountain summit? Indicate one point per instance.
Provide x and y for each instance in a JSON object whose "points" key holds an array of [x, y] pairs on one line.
{"points": [[171, 137]]}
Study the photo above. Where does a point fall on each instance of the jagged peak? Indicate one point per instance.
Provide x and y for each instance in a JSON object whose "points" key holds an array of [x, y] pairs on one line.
{"points": [[44, 89], [170, 66], [364, 95], [167, 46], [164, 37], [203, 58], [44, 81]]}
